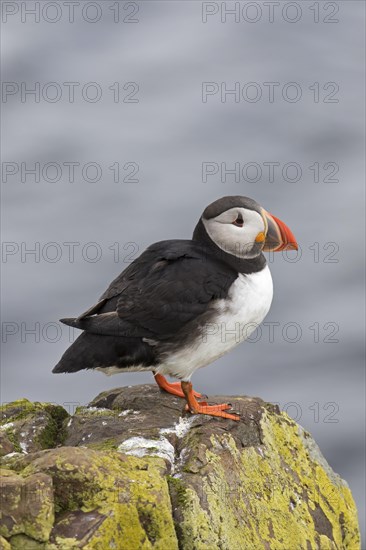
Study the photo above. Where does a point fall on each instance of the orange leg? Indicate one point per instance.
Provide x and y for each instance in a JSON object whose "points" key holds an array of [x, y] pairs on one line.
{"points": [[171, 387], [203, 408]]}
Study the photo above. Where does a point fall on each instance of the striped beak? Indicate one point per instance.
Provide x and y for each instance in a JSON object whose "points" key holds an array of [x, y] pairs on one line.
{"points": [[278, 236]]}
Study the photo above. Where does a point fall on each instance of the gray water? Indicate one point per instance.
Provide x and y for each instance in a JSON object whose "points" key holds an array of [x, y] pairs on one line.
{"points": [[170, 132]]}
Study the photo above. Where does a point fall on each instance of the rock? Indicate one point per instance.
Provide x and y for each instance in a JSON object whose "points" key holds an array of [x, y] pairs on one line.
{"points": [[135, 471], [4, 544], [6, 446], [30, 427], [22, 542], [26, 505]]}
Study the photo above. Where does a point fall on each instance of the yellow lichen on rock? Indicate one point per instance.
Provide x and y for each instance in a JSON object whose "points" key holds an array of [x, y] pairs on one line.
{"points": [[4, 544], [139, 477], [276, 495], [26, 505], [130, 496], [321, 503]]}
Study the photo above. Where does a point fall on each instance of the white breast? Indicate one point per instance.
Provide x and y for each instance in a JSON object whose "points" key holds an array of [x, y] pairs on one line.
{"points": [[246, 306]]}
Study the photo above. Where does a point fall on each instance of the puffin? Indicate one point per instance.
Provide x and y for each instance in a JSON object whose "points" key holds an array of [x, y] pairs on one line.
{"points": [[182, 304]]}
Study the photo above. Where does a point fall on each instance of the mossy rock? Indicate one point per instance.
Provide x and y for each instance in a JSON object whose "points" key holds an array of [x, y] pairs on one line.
{"points": [[6, 445], [22, 542], [150, 477], [4, 544], [107, 498], [27, 505], [30, 427]]}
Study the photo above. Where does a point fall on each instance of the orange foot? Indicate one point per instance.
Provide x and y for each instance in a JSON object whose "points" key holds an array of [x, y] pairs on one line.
{"points": [[172, 387], [203, 408]]}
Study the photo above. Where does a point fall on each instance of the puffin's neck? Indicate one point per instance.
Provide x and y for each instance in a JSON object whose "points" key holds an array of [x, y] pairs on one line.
{"points": [[240, 265]]}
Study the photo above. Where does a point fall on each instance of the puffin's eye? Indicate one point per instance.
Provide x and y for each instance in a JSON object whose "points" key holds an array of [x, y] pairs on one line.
{"points": [[239, 221]]}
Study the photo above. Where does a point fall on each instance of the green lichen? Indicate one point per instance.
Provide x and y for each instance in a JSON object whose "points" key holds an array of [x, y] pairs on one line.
{"points": [[178, 489], [22, 542], [13, 440], [54, 432], [51, 435], [21, 409], [6, 408], [13, 463], [104, 445]]}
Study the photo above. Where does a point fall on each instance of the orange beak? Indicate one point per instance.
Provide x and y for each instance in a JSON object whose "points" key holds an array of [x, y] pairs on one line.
{"points": [[278, 235]]}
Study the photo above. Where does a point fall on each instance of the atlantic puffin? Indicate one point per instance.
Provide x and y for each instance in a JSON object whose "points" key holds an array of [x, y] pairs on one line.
{"points": [[182, 304]]}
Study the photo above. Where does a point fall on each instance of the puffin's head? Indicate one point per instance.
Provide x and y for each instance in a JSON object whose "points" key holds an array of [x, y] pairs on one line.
{"points": [[241, 227]]}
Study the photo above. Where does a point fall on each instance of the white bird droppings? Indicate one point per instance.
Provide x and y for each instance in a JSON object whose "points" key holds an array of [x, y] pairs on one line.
{"points": [[23, 446], [180, 428], [139, 446], [7, 425], [125, 413]]}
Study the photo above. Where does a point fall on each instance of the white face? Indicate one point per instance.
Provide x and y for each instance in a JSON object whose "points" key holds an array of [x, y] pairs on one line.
{"points": [[235, 231]]}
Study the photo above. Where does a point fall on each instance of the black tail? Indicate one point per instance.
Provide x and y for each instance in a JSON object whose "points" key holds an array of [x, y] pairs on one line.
{"points": [[71, 322], [91, 351]]}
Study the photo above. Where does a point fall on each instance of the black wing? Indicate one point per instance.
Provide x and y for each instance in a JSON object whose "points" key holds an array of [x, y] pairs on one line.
{"points": [[169, 285]]}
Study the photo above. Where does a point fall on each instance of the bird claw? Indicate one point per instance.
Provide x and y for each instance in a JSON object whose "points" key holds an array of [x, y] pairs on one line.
{"points": [[193, 406], [213, 410]]}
